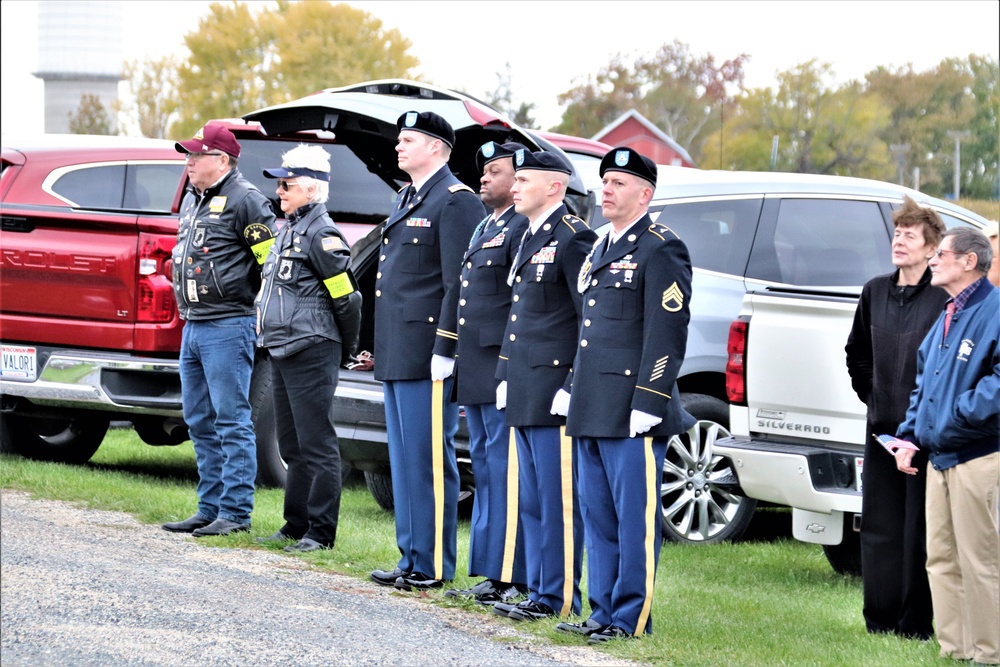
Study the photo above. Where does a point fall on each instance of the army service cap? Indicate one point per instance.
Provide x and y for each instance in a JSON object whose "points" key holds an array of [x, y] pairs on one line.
{"points": [[429, 123], [540, 161], [629, 161], [491, 151]]}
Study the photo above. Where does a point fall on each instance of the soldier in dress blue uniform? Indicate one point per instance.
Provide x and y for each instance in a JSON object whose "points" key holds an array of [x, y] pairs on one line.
{"points": [[537, 354], [496, 542], [416, 312], [636, 288]]}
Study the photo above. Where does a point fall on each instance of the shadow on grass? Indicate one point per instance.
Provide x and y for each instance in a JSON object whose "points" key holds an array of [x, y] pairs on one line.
{"points": [[769, 524], [168, 472]]}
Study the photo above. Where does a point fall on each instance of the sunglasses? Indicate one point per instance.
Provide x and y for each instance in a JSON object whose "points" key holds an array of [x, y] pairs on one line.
{"points": [[285, 185]]}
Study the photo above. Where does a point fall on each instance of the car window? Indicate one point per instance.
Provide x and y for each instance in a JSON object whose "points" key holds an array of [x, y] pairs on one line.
{"points": [[92, 187], [718, 234], [356, 194], [823, 242], [152, 187]]}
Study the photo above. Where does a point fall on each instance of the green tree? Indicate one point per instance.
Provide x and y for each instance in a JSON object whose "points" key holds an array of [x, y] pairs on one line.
{"points": [[242, 60], [820, 129], [923, 108], [225, 74], [91, 117], [153, 101], [981, 153], [320, 45], [686, 95]]}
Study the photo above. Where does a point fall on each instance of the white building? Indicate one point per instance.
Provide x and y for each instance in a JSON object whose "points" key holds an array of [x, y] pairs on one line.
{"points": [[80, 51]]}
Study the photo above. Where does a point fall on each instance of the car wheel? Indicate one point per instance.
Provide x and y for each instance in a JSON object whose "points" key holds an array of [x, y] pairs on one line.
{"points": [[69, 439], [271, 468], [845, 558], [380, 486], [698, 488]]}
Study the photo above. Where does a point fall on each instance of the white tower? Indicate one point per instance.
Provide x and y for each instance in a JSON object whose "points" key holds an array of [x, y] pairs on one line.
{"points": [[79, 52]]}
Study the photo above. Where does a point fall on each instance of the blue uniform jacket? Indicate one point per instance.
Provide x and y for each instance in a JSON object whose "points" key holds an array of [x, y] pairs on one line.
{"points": [[483, 306], [540, 338], [416, 286], [636, 310], [955, 409]]}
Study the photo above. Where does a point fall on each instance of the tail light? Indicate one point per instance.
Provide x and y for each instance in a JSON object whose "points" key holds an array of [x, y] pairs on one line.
{"points": [[736, 347], [155, 292]]}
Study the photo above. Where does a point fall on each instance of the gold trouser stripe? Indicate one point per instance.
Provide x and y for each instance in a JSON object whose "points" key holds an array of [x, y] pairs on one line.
{"points": [[652, 523], [437, 465], [566, 474], [510, 538]]}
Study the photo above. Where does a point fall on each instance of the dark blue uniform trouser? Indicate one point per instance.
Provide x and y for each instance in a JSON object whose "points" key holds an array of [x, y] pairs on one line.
{"points": [[421, 423], [620, 501], [550, 512], [303, 386], [496, 541]]}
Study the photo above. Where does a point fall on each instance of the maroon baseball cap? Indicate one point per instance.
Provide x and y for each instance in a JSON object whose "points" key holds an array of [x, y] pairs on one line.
{"points": [[212, 137]]}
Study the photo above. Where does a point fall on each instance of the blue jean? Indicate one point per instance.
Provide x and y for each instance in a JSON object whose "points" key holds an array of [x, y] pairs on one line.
{"points": [[216, 363]]}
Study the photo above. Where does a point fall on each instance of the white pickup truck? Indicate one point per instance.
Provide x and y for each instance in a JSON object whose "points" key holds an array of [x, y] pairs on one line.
{"points": [[798, 429]]}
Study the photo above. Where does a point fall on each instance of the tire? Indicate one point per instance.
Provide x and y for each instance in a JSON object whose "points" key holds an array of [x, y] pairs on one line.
{"points": [[697, 491], [845, 558], [73, 438], [271, 468], [380, 486]]}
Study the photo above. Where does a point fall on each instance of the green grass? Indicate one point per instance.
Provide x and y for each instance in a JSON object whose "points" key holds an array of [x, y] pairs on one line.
{"points": [[766, 601]]}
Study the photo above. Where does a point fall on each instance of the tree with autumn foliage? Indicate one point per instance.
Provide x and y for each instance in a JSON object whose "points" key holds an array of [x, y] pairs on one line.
{"points": [[820, 128], [241, 60], [152, 103], [688, 96], [91, 117]]}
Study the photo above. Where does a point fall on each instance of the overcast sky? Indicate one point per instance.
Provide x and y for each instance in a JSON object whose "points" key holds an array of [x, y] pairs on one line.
{"points": [[552, 45]]}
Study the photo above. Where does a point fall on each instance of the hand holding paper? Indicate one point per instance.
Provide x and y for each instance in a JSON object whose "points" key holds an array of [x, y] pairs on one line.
{"points": [[892, 443]]}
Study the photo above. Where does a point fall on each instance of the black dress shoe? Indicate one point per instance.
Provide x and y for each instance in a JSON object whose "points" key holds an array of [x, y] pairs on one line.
{"points": [[609, 633], [417, 580], [529, 610], [276, 538], [188, 525], [483, 587], [306, 545], [221, 527], [502, 593], [386, 577], [585, 629], [503, 608]]}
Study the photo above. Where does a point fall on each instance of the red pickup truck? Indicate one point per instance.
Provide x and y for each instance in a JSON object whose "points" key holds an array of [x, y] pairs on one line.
{"points": [[88, 324]]}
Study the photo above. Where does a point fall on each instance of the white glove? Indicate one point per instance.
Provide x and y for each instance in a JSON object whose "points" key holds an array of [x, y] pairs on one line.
{"points": [[560, 403], [640, 422], [441, 367], [502, 395]]}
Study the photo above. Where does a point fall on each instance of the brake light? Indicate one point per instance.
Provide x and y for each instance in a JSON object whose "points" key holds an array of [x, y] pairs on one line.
{"points": [[736, 348], [155, 292]]}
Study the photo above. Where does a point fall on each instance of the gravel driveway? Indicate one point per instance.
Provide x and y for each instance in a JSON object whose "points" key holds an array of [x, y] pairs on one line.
{"points": [[90, 587]]}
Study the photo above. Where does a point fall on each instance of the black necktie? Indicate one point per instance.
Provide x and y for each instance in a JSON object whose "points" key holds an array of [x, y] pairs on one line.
{"points": [[408, 196]]}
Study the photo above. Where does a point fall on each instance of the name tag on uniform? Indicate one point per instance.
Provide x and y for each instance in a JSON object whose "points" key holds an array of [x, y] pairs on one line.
{"points": [[418, 222], [546, 255]]}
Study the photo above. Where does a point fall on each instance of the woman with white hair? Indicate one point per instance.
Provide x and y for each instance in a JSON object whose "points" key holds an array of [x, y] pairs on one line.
{"points": [[308, 319]]}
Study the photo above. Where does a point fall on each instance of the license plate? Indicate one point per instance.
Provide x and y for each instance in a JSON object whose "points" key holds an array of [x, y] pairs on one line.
{"points": [[18, 363], [859, 466]]}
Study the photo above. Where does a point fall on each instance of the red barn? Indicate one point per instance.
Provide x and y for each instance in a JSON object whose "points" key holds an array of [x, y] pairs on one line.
{"points": [[634, 131]]}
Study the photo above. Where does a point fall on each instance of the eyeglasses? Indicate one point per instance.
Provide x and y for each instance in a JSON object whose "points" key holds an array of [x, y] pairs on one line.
{"points": [[198, 156], [286, 185], [939, 252]]}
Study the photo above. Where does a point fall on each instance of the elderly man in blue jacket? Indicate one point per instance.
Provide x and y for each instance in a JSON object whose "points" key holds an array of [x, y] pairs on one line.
{"points": [[954, 413]]}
